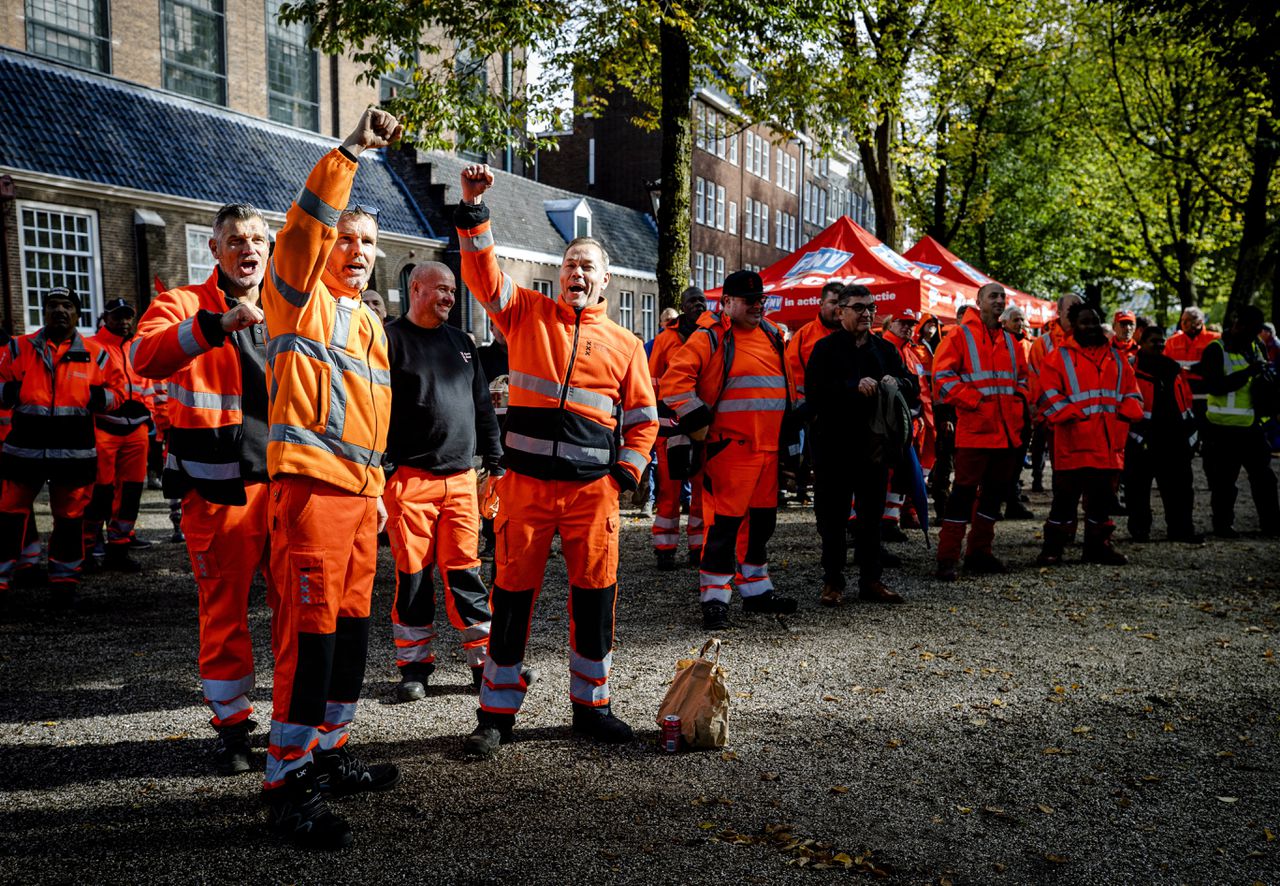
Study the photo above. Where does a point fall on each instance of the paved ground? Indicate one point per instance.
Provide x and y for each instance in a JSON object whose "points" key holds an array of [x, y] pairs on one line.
{"points": [[1088, 725]]}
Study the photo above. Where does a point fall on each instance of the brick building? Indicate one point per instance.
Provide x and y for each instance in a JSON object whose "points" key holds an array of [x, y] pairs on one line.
{"points": [[756, 196]]}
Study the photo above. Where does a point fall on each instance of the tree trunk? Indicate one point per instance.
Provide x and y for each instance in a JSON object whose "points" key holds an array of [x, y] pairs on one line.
{"points": [[877, 158], [677, 148], [1256, 226], [938, 225]]}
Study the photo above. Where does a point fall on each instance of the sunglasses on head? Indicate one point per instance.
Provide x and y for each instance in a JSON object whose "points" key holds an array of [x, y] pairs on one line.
{"points": [[365, 208]]}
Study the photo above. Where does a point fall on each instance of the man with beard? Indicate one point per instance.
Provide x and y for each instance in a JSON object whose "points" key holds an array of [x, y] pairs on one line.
{"points": [[1161, 446], [849, 375], [1089, 396]]}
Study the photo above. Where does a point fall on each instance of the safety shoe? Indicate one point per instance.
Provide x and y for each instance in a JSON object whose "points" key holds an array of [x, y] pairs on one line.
{"points": [[831, 595], [231, 753], [715, 616], [876, 592], [600, 725], [890, 531], [298, 812], [138, 544], [984, 563], [178, 538], [695, 557], [341, 773], [666, 560], [117, 559], [1016, 510], [413, 682], [945, 570], [491, 731], [769, 602]]}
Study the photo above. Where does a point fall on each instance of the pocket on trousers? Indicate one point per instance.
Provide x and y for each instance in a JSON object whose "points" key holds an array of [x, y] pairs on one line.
{"points": [[306, 576], [204, 562]]}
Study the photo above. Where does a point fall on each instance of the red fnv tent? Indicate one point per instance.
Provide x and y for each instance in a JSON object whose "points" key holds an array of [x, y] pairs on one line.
{"points": [[935, 258]]}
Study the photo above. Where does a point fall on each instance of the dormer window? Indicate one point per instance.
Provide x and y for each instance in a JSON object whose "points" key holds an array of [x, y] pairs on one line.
{"points": [[571, 217]]}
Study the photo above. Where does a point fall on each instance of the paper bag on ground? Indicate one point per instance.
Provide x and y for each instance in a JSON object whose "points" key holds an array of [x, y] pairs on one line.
{"points": [[699, 696]]}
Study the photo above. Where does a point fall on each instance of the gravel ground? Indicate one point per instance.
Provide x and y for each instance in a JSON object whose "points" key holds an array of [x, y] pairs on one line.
{"points": [[1088, 725]]}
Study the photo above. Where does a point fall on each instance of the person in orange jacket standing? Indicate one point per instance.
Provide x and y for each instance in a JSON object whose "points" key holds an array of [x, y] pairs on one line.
{"points": [[330, 405], [54, 380], [122, 446], [1050, 339], [981, 371], [666, 518], [1186, 346], [729, 387], [1089, 396], [1125, 324], [581, 422], [210, 342]]}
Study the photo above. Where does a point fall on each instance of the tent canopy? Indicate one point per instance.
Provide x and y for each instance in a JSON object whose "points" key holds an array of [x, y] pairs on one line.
{"points": [[935, 258], [846, 253]]}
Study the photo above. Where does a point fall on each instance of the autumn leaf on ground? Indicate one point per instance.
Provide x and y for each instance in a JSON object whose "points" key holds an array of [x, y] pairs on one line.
{"points": [[1045, 808], [964, 810], [1055, 858], [1082, 729], [728, 756], [768, 776], [1228, 799], [839, 789]]}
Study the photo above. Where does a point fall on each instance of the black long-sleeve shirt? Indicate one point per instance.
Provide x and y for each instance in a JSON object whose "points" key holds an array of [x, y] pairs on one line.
{"points": [[441, 414]]}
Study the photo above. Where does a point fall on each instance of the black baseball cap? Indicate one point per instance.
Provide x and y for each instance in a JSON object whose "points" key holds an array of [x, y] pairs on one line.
{"points": [[62, 292], [115, 305]]}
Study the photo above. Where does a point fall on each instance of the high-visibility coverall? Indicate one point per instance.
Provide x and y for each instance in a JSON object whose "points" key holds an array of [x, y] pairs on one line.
{"points": [[122, 448], [581, 422], [733, 383], [983, 374], [1188, 351], [1089, 396], [216, 465], [666, 516], [53, 390], [31, 547], [330, 406], [798, 351]]}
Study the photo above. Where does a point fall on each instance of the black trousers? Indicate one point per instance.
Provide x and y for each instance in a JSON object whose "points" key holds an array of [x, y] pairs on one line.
{"points": [[1169, 466], [1096, 485], [1226, 451], [836, 482]]}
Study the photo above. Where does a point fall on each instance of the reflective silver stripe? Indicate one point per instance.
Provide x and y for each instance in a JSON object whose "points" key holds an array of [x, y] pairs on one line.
{"points": [[661, 522], [1098, 407], [32, 409], [204, 399], [753, 404], [588, 668], [23, 452], [338, 713], [109, 399], [538, 385], [584, 453], [633, 458], [591, 399], [755, 381], [187, 338], [635, 416], [303, 437], [133, 350], [225, 690], [308, 348], [538, 446], [713, 580], [103, 358], [476, 242], [295, 297], [975, 362], [313, 206], [583, 691], [203, 470], [684, 406], [342, 323]]}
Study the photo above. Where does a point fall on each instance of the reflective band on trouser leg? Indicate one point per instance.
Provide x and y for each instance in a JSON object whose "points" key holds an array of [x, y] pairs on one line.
{"points": [[31, 547], [412, 511], [11, 529], [130, 475], [753, 580], [457, 557], [589, 532], [591, 621], [66, 543], [337, 718], [893, 506], [414, 645], [227, 545], [128, 502], [666, 510], [666, 532], [589, 679]]}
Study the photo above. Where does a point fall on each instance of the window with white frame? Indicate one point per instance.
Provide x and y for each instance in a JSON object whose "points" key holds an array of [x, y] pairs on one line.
{"points": [[699, 209], [720, 207], [778, 228], [762, 223], [711, 204], [750, 148], [59, 247], [793, 164], [791, 231], [699, 114], [200, 260], [733, 217], [648, 322], [733, 149], [749, 219], [782, 169], [626, 309], [719, 270], [698, 268], [543, 286], [764, 159]]}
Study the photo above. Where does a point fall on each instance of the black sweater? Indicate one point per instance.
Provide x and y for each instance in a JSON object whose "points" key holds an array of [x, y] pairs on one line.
{"points": [[441, 414]]}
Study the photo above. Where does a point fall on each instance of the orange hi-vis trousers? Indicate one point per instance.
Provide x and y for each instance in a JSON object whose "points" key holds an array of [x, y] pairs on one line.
{"points": [[117, 492], [532, 511], [434, 520], [66, 544], [324, 552], [227, 545], [666, 515], [740, 503]]}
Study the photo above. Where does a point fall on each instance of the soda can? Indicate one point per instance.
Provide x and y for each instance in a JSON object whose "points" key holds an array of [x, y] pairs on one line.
{"points": [[671, 733]]}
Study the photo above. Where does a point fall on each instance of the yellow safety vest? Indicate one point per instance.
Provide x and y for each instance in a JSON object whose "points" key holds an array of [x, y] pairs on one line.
{"points": [[1233, 410]]}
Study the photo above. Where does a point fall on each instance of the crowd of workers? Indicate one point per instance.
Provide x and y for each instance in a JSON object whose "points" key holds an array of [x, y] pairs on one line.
{"points": [[297, 426]]}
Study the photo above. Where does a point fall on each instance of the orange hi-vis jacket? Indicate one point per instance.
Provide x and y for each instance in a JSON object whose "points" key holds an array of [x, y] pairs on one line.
{"points": [[133, 409], [983, 374], [798, 351], [1051, 338], [53, 390], [327, 369], [1182, 400], [911, 359], [740, 393], [581, 400], [1088, 396], [1188, 352], [1128, 349], [180, 338], [664, 348]]}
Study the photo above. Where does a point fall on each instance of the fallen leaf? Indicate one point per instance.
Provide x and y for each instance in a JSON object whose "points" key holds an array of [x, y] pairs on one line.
{"points": [[964, 810], [728, 756], [1266, 832], [1082, 729], [998, 868], [979, 721], [768, 776], [893, 743], [1056, 859], [1045, 808], [706, 825], [1169, 727], [1150, 778], [1228, 799], [998, 702], [993, 810], [1149, 636], [839, 789]]}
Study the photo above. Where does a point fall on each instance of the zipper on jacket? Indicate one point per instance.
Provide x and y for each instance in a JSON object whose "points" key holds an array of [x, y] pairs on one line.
{"points": [[368, 349], [568, 375]]}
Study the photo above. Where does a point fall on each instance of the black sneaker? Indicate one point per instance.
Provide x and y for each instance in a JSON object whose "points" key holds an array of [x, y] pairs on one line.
{"points": [[983, 563], [666, 560], [231, 753], [341, 773], [177, 538], [117, 559], [491, 731], [891, 531], [138, 544], [1016, 510], [600, 725], [297, 811], [715, 616], [770, 602]]}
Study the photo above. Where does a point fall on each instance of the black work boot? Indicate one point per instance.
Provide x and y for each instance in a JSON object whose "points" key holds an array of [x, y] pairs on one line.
{"points": [[770, 602], [413, 681], [1097, 545], [231, 753], [491, 731], [600, 724], [666, 560], [340, 773], [117, 559], [298, 812], [715, 616], [695, 557]]}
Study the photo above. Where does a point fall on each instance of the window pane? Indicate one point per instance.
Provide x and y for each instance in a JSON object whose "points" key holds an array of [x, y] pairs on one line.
{"points": [[191, 42], [72, 264], [73, 31], [292, 89]]}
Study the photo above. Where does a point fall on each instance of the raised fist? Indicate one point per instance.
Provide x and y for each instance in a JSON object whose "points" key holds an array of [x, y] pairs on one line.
{"points": [[242, 316], [476, 179], [376, 129]]}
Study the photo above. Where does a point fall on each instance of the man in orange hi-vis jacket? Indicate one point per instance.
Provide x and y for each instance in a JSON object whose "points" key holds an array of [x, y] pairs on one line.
{"points": [[729, 386], [330, 385], [210, 341], [581, 422]]}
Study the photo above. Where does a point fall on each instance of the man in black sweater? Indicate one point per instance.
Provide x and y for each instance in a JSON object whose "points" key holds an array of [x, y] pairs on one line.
{"points": [[848, 379], [441, 418]]}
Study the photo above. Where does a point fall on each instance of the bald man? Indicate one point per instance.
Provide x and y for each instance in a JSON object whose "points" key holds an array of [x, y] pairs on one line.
{"points": [[441, 418]]}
